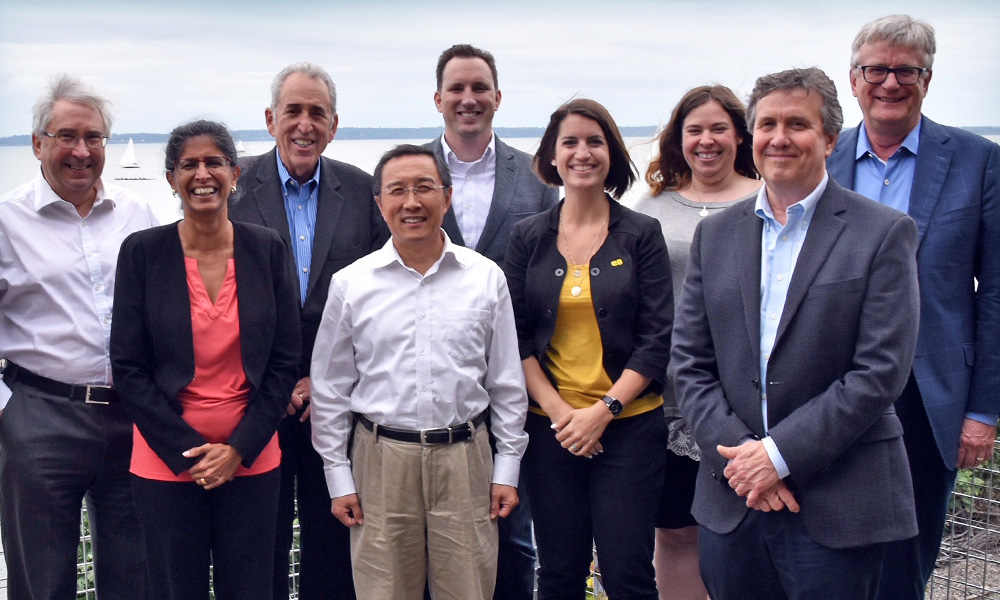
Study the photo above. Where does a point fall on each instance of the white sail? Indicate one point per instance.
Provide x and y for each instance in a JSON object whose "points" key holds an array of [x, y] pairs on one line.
{"points": [[240, 150], [128, 160]]}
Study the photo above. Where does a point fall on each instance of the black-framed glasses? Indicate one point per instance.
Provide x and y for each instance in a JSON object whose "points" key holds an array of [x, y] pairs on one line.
{"points": [[420, 191], [214, 164], [67, 138], [904, 75]]}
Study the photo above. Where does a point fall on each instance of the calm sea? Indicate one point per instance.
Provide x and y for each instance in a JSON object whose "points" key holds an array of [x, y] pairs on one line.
{"points": [[20, 165]]}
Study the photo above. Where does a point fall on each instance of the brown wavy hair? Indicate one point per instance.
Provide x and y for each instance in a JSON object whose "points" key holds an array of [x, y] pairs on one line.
{"points": [[669, 171]]}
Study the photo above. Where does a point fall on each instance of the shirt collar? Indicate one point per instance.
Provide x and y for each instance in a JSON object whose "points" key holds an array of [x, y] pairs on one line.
{"points": [[284, 175], [387, 255], [911, 142], [807, 205], [450, 156], [45, 195]]}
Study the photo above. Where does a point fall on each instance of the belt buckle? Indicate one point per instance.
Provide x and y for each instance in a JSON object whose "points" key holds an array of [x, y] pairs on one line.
{"points": [[87, 400]]}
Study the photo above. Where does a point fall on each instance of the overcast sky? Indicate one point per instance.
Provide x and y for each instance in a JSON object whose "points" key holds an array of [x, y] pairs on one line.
{"points": [[167, 62]]}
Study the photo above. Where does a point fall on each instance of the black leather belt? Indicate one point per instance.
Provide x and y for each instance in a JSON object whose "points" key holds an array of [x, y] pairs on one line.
{"points": [[91, 394], [444, 435]]}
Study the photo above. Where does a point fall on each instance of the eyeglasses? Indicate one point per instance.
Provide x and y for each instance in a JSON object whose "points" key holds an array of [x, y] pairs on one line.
{"points": [[68, 138], [420, 191], [214, 164], [904, 75]]}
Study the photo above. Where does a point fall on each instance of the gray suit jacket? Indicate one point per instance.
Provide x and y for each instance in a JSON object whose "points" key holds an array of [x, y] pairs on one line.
{"points": [[518, 194], [348, 225], [841, 357], [955, 201]]}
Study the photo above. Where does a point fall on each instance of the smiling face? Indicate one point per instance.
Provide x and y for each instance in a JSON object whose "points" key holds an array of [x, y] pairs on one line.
{"points": [[789, 146], [302, 124], [71, 172], [203, 190], [414, 221], [467, 99], [709, 142], [889, 107], [581, 158]]}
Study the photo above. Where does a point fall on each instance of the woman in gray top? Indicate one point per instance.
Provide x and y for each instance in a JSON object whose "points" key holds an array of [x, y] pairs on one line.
{"points": [[705, 164]]}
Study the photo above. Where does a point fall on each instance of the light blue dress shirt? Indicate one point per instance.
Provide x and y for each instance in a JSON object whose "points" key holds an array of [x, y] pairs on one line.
{"points": [[300, 208], [780, 247], [886, 182]]}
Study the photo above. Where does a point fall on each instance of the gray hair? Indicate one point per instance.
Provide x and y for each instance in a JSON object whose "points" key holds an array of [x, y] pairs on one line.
{"points": [[898, 30], [309, 70], [68, 88], [810, 79]]}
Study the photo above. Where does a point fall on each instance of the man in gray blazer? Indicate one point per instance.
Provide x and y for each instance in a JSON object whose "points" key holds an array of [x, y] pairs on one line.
{"points": [[326, 212], [493, 188], [795, 335], [947, 180]]}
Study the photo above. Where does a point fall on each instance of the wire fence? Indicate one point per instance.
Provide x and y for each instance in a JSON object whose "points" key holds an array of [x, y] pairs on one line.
{"points": [[968, 566]]}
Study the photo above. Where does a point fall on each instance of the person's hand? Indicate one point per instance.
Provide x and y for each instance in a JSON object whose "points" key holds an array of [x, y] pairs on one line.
{"points": [[580, 430], [778, 498], [347, 509], [749, 471], [503, 499], [301, 396], [975, 443], [218, 464]]}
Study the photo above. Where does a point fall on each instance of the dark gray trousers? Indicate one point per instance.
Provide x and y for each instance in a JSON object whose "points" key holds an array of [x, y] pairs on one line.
{"points": [[54, 452]]}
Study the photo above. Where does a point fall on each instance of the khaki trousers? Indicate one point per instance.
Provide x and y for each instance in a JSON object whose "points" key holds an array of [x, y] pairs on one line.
{"points": [[427, 517]]}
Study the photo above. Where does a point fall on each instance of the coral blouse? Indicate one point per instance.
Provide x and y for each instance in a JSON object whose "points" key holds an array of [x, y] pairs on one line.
{"points": [[216, 399]]}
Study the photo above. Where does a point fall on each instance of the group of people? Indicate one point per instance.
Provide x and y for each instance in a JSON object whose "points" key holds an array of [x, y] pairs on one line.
{"points": [[757, 382]]}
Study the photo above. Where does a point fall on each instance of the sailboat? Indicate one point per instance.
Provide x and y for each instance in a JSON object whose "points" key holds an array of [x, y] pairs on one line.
{"points": [[128, 160], [240, 150]]}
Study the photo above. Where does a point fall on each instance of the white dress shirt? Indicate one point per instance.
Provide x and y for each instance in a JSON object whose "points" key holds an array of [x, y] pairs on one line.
{"points": [[416, 352], [472, 185], [57, 279]]}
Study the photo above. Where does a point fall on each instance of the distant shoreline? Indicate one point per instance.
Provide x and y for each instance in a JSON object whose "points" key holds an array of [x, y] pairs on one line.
{"points": [[385, 133], [344, 133]]}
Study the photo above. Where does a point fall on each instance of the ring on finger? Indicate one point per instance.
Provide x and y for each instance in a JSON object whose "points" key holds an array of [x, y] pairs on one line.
{"points": [[202, 481], [574, 448]]}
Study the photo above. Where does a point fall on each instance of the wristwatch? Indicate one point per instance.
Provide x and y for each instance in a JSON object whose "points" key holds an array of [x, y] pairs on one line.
{"points": [[614, 405]]}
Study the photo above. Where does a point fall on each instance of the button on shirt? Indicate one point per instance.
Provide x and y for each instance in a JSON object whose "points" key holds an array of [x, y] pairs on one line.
{"points": [[416, 352], [780, 245], [887, 182], [300, 208], [57, 279], [472, 190]]}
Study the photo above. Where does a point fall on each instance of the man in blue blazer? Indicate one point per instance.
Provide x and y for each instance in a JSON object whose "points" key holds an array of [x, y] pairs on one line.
{"points": [[794, 337], [326, 212], [947, 180], [494, 188]]}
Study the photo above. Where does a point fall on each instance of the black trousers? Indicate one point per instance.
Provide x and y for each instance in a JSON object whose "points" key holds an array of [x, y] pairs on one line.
{"points": [[54, 453], [324, 542], [188, 528]]}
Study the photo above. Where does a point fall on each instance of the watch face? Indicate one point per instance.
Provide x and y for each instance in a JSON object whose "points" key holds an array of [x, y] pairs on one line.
{"points": [[614, 405]]}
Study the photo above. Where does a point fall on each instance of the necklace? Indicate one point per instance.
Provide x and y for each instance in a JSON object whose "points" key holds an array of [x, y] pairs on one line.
{"points": [[576, 290]]}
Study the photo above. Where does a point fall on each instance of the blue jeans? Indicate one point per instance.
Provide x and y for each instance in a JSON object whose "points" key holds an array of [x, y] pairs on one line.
{"points": [[609, 500]]}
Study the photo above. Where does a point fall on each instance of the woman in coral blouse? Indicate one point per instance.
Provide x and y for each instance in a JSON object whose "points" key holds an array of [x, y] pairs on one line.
{"points": [[204, 351]]}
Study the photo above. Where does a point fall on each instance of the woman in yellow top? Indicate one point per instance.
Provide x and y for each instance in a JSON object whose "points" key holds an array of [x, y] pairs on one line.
{"points": [[591, 287]]}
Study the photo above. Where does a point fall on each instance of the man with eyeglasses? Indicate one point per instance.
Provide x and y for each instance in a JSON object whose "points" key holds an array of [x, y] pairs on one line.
{"points": [[64, 435], [416, 347], [325, 210], [494, 188], [947, 180]]}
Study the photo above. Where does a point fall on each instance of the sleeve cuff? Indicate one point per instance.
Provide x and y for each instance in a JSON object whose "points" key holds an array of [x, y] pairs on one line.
{"points": [[5, 395], [984, 418], [340, 481], [506, 470], [775, 456]]}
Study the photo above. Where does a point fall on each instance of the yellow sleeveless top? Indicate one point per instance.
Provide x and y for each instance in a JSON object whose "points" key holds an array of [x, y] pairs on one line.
{"points": [[576, 354]]}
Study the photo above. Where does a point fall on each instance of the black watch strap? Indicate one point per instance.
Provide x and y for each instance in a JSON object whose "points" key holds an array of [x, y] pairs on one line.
{"points": [[614, 405]]}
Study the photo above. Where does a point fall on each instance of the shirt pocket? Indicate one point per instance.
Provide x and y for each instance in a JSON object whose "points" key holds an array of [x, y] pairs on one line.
{"points": [[465, 334]]}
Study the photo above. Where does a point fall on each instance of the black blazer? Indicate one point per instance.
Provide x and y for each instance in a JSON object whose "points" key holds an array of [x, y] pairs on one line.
{"points": [[152, 352], [348, 226], [630, 284]]}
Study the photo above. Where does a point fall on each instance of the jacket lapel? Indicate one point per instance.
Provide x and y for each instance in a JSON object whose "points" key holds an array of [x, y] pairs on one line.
{"points": [[933, 161], [841, 163], [503, 189], [450, 224], [269, 197], [329, 204], [748, 235]]}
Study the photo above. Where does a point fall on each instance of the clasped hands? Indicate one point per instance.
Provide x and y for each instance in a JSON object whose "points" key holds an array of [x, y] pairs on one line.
{"points": [[752, 475], [218, 464], [579, 430]]}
